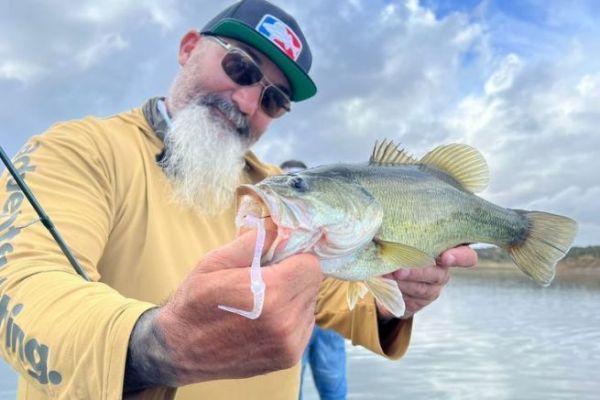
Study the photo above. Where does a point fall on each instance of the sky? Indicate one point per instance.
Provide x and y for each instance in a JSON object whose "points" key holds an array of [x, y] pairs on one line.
{"points": [[518, 80]]}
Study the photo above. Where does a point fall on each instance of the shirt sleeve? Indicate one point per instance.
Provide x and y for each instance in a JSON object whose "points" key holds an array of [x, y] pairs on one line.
{"points": [[67, 337], [361, 325]]}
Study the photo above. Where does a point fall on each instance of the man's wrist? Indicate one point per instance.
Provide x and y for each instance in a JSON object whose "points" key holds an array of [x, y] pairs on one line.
{"points": [[149, 363], [388, 325]]}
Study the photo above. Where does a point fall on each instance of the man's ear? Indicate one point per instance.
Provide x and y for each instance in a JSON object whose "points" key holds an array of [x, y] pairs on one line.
{"points": [[188, 43]]}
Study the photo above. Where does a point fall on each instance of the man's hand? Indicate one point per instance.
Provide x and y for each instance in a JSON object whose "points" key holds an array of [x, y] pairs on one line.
{"points": [[190, 340], [421, 286]]}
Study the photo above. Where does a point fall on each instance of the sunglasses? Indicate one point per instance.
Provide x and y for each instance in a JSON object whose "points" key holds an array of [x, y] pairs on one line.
{"points": [[243, 70]]}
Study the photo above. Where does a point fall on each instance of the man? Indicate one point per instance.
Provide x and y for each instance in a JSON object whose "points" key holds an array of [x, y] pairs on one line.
{"points": [[145, 199]]}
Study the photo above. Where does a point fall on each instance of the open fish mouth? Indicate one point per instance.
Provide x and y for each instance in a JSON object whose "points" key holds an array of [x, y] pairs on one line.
{"points": [[295, 230], [263, 202], [253, 202]]}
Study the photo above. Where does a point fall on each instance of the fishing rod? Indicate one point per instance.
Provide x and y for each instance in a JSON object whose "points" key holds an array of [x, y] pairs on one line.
{"points": [[42, 214]]}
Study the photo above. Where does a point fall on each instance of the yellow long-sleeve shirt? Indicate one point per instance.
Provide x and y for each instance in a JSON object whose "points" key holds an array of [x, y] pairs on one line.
{"points": [[99, 181]]}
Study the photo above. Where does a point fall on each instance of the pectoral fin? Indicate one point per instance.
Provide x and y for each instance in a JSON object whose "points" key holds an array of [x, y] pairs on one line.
{"points": [[402, 255], [386, 291], [356, 291]]}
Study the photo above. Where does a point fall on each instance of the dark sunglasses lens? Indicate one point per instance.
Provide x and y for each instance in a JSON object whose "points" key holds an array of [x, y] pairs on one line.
{"points": [[241, 69], [274, 102]]}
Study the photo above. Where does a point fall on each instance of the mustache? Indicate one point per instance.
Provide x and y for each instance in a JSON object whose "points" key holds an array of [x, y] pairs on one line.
{"points": [[230, 110]]}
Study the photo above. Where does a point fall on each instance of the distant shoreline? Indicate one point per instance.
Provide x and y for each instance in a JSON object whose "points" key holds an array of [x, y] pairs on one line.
{"points": [[567, 272], [581, 265]]}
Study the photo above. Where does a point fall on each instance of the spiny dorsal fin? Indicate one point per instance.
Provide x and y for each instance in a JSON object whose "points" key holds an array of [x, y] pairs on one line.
{"points": [[387, 153], [463, 163]]}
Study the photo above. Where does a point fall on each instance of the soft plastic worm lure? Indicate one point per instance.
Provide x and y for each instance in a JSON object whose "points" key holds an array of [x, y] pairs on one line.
{"points": [[257, 285]]}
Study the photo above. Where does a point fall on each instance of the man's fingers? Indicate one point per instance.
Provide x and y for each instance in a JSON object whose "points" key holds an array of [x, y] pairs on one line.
{"points": [[296, 276], [419, 290], [428, 275], [298, 272], [238, 253], [462, 256]]}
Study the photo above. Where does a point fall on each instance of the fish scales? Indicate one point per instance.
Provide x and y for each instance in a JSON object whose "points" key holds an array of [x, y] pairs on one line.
{"points": [[432, 214]]}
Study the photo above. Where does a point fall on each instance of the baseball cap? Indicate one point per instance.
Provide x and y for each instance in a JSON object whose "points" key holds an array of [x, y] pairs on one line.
{"points": [[275, 33]]}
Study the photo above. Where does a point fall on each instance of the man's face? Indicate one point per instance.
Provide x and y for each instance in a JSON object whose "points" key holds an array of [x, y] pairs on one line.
{"points": [[202, 73], [215, 121]]}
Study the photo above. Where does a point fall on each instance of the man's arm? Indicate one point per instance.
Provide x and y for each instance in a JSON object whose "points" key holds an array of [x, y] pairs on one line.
{"points": [[190, 340], [61, 326]]}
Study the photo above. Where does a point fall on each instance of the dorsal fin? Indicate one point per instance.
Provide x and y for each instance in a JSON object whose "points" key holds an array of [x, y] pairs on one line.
{"points": [[461, 162], [387, 153]]}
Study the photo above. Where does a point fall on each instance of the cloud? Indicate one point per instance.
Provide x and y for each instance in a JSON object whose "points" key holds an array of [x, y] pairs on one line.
{"points": [[103, 47], [503, 78], [17, 70], [589, 86], [390, 79], [112, 12], [536, 123], [62, 34]]}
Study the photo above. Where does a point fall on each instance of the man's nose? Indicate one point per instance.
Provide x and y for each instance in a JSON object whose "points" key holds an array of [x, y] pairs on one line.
{"points": [[247, 99]]}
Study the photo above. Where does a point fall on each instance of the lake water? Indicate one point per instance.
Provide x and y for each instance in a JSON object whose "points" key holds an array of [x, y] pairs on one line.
{"points": [[489, 336]]}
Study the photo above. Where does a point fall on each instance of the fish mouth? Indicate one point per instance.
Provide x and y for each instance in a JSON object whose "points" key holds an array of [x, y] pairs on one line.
{"points": [[253, 202], [293, 225], [261, 202]]}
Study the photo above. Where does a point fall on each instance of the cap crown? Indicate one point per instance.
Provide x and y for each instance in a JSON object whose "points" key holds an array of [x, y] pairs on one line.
{"points": [[275, 33]]}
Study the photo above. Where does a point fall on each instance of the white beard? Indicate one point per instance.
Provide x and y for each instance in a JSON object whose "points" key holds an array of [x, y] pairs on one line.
{"points": [[204, 159]]}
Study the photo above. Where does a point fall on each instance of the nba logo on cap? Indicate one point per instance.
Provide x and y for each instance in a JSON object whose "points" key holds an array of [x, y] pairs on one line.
{"points": [[282, 35]]}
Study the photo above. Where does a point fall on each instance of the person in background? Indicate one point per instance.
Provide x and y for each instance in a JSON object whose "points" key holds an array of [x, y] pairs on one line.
{"points": [[326, 350], [145, 199], [291, 166]]}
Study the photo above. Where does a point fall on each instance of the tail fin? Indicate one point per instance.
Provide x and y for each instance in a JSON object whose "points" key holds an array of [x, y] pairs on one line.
{"points": [[548, 240]]}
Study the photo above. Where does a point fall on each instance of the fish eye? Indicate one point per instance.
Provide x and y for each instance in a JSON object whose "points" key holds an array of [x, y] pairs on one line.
{"points": [[298, 183]]}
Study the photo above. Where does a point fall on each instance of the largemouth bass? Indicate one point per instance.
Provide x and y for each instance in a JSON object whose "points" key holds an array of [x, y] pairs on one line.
{"points": [[396, 211]]}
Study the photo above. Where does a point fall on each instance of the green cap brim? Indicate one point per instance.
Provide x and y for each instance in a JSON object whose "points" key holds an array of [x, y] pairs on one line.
{"points": [[302, 86]]}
